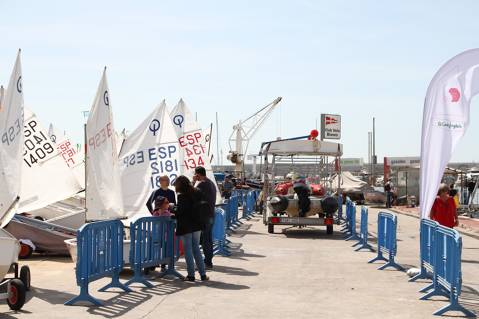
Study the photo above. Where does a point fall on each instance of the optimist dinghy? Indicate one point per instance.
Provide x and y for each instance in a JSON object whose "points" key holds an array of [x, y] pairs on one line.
{"points": [[104, 200], [10, 247], [11, 150]]}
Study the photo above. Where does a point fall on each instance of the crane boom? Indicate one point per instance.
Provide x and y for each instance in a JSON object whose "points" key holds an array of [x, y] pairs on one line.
{"points": [[244, 131]]}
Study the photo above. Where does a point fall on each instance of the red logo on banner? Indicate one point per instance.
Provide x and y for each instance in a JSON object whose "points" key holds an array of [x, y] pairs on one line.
{"points": [[455, 94], [331, 120]]}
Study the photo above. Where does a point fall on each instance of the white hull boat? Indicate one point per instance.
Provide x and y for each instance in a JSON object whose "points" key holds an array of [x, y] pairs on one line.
{"points": [[9, 248], [72, 249]]}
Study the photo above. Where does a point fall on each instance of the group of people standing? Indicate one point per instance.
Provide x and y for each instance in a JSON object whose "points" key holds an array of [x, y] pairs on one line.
{"points": [[193, 207]]}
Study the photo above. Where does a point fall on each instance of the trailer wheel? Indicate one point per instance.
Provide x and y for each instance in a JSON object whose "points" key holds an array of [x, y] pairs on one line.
{"points": [[16, 294], [25, 277], [270, 228], [329, 229]]}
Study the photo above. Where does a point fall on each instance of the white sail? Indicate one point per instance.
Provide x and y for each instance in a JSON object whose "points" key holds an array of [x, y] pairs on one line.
{"points": [[148, 153], [46, 177], [193, 144], [11, 147], [103, 188], [73, 155]]}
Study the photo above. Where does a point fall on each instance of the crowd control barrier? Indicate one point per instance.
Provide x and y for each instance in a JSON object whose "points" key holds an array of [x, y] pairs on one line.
{"points": [[152, 244], [446, 265], [233, 211], [249, 203], [352, 234], [219, 234], [426, 249], [387, 245], [99, 255], [347, 223], [340, 208], [363, 233]]}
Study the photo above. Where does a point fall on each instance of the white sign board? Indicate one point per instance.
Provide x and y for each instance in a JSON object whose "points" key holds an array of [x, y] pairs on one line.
{"points": [[402, 161], [330, 126], [352, 161]]}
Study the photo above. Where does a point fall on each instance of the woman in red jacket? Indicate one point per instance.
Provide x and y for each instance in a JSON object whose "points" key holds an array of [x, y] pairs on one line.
{"points": [[444, 208]]}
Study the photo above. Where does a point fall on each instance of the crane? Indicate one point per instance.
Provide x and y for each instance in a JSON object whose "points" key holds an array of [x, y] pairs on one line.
{"points": [[244, 131]]}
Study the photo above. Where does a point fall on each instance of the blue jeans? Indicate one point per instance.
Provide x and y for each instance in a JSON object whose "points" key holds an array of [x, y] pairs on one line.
{"points": [[389, 199], [207, 242], [191, 246]]}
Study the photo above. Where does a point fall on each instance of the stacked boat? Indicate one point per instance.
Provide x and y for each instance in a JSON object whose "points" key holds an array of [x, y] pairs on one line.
{"points": [[11, 149]]}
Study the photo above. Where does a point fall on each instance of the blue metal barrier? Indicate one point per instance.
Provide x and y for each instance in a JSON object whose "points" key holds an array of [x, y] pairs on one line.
{"points": [[347, 223], [340, 208], [352, 234], [99, 255], [363, 233], [447, 276], [219, 234], [426, 250], [248, 204], [387, 245], [233, 206], [152, 243]]}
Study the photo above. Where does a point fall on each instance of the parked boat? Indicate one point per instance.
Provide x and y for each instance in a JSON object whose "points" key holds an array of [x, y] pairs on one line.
{"points": [[47, 237]]}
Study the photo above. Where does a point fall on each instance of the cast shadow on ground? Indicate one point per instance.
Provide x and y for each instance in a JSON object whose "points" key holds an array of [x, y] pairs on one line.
{"points": [[51, 258], [470, 298], [310, 233], [123, 302], [234, 271], [241, 254], [242, 231], [12, 314], [53, 297]]}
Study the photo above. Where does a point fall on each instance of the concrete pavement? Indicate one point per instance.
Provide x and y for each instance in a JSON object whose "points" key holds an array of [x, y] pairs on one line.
{"points": [[290, 274]]}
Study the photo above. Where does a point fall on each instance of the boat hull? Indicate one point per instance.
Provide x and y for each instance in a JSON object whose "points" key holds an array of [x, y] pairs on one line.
{"points": [[71, 245], [46, 238], [9, 248]]}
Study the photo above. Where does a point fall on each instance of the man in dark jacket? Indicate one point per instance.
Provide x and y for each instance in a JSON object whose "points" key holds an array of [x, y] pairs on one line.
{"points": [[208, 189], [162, 191]]}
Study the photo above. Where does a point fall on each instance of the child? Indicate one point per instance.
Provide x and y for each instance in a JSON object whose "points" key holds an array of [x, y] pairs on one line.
{"points": [[162, 207], [161, 210]]}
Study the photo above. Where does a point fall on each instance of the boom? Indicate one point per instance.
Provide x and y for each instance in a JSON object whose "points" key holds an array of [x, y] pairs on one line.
{"points": [[244, 131]]}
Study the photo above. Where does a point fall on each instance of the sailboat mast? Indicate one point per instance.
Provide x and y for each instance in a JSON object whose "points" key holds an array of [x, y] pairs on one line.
{"points": [[85, 151]]}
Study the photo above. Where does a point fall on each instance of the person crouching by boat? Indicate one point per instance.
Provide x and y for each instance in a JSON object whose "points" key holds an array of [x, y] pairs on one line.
{"points": [[163, 191], [189, 227], [444, 208]]}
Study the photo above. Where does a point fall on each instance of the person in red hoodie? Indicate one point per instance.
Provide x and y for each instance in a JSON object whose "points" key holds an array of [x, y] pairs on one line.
{"points": [[444, 208]]}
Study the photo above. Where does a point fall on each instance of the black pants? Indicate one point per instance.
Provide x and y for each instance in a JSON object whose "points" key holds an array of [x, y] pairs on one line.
{"points": [[207, 243]]}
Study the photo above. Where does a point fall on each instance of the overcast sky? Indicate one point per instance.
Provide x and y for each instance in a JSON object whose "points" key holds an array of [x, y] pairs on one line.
{"points": [[358, 59]]}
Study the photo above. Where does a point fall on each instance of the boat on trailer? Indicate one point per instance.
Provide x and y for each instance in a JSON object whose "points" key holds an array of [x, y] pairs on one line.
{"points": [[13, 289]]}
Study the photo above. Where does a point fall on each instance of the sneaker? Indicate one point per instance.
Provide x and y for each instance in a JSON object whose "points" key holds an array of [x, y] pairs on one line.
{"points": [[190, 278], [205, 278]]}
